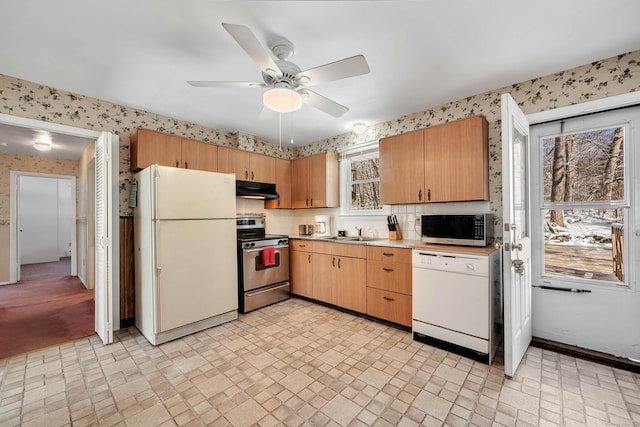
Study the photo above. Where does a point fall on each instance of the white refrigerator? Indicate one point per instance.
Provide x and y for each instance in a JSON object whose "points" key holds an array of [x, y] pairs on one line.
{"points": [[185, 252]]}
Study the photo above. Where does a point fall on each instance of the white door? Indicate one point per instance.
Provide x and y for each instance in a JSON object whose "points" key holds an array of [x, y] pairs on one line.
{"points": [[516, 235], [38, 219], [104, 239]]}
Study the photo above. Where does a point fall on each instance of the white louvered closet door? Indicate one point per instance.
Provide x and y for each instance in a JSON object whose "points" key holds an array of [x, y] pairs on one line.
{"points": [[103, 228]]}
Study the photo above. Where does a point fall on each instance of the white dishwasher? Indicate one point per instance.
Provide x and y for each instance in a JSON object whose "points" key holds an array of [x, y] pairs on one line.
{"points": [[457, 301]]}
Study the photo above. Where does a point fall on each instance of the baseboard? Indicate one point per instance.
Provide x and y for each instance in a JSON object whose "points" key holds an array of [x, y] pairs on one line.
{"points": [[590, 355]]}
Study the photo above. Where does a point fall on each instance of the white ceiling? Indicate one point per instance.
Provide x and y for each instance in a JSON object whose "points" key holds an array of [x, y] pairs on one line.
{"points": [[421, 54], [20, 140]]}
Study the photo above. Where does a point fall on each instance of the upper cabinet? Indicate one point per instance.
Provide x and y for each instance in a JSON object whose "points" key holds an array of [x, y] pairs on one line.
{"points": [[315, 181], [149, 147], [456, 161], [283, 186], [402, 169], [443, 163], [247, 166]]}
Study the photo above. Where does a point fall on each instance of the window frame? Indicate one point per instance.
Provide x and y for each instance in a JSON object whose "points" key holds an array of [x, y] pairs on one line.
{"points": [[629, 204], [346, 182]]}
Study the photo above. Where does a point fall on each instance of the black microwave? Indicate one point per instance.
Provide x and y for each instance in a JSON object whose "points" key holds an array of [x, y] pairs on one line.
{"points": [[464, 229]]}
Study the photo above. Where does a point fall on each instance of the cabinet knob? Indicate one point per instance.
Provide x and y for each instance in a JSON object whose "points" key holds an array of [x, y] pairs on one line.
{"points": [[429, 194], [388, 269], [307, 202], [251, 175], [339, 259], [333, 261], [309, 259], [387, 254], [311, 202], [389, 299], [186, 165], [177, 164], [420, 194]]}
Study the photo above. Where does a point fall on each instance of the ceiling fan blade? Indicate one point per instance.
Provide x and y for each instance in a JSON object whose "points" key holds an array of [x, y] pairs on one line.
{"points": [[348, 67], [323, 104], [225, 84], [248, 41]]}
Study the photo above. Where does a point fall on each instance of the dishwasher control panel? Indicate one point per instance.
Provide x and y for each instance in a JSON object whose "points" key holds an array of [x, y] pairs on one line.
{"points": [[452, 262]]}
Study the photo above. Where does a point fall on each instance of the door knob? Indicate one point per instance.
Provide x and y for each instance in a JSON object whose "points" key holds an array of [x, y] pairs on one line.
{"points": [[517, 246]]}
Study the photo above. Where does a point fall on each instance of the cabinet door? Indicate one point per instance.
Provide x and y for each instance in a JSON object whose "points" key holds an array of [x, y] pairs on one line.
{"points": [[149, 147], [402, 169], [233, 161], [283, 186], [390, 276], [324, 277], [324, 181], [301, 274], [199, 155], [457, 161], [262, 168], [390, 306], [351, 284], [300, 183]]}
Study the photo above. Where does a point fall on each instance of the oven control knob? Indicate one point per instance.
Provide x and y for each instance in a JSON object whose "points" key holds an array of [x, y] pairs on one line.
{"points": [[252, 244]]}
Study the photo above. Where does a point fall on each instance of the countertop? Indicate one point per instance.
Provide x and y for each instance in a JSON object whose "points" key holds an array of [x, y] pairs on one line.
{"points": [[411, 244], [375, 242]]}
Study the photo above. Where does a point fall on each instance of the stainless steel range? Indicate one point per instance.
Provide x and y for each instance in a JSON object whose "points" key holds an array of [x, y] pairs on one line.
{"points": [[263, 264]]}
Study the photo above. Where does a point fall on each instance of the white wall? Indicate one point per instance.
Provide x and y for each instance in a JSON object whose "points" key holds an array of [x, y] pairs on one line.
{"points": [[65, 215]]}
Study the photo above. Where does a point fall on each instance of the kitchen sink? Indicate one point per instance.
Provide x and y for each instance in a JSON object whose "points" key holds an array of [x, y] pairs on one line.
{"points": [[349, 238]]}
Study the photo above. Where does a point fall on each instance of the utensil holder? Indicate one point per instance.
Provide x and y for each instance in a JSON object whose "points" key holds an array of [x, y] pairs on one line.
{"points": [[396, 235]]}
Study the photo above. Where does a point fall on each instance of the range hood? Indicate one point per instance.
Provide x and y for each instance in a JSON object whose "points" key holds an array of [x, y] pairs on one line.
{"points": [[256, 190]]}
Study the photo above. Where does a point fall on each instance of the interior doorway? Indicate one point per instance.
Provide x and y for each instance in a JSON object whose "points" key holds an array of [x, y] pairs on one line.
{"points": [[46, 217]]}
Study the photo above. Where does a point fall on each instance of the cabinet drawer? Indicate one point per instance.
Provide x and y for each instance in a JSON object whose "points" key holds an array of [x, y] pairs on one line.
{"points": [[385, 253], [390, 276], [341, 249], [390, 306], [301, 245]]}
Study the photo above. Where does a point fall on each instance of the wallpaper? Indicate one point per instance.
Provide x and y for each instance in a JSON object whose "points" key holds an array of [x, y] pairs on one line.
{"points": [[600, 79]]}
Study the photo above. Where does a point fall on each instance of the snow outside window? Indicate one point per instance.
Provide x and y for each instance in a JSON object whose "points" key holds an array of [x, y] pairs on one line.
{"points": [[584, 203], [360, 167]]}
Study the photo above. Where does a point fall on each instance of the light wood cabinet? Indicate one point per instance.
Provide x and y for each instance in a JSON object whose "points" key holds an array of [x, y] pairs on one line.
{"points": [[402, 169], [315, 181], [456, 158], [351, 284], [389, 284], [391, 306], [149, 147], [247, 166], [324, 278], [301, 272], [283, 186], [443, 163], [330, 272]]}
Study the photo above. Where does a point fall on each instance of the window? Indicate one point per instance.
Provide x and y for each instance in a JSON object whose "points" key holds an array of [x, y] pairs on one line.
{"points": [[584, 197], [360, 167]]}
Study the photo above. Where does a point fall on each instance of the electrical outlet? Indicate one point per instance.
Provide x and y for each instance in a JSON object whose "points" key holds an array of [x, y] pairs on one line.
{"points": [[417, 221]]}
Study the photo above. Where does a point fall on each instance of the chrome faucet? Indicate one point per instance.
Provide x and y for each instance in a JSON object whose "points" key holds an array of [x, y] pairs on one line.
{"points": [[359, 231]]}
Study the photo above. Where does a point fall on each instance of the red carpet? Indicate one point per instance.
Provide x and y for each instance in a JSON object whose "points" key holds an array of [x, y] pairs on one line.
{"points": [[41, 313]]}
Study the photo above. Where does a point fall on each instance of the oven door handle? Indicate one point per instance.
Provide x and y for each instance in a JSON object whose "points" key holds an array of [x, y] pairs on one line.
{"points": [[248, 251]]}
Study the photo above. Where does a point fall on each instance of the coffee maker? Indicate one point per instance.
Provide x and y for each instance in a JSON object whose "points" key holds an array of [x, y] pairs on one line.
{"points": [[322, 227]]}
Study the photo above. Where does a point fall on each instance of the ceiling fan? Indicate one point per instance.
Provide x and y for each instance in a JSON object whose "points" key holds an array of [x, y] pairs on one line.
{"points": [[288, 84]]}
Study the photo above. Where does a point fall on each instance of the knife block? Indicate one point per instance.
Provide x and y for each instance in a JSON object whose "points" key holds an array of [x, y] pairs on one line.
{"points": [[396, 235]]}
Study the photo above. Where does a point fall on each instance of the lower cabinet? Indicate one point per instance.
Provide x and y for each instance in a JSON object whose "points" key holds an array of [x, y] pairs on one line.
{"points": [[392, 306], [338, 274], [301, 268], [389, 284]]}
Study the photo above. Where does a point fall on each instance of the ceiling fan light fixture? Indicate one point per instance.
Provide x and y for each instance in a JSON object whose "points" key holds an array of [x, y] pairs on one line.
{"points": [[42, 146], [359, 128], [282, 100]]}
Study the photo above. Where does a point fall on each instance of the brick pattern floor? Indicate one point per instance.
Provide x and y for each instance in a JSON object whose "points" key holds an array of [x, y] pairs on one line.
{"points": [[298, 363]]}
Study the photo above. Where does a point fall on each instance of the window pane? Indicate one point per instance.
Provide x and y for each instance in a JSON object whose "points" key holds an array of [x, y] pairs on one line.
{"points": [[365, 195], [588, 246], [365, 169], [585, 166], [520, 183]]}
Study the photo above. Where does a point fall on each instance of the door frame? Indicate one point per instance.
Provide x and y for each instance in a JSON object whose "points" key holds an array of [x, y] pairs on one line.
{"points": [[14, 235], [112, 305]]}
